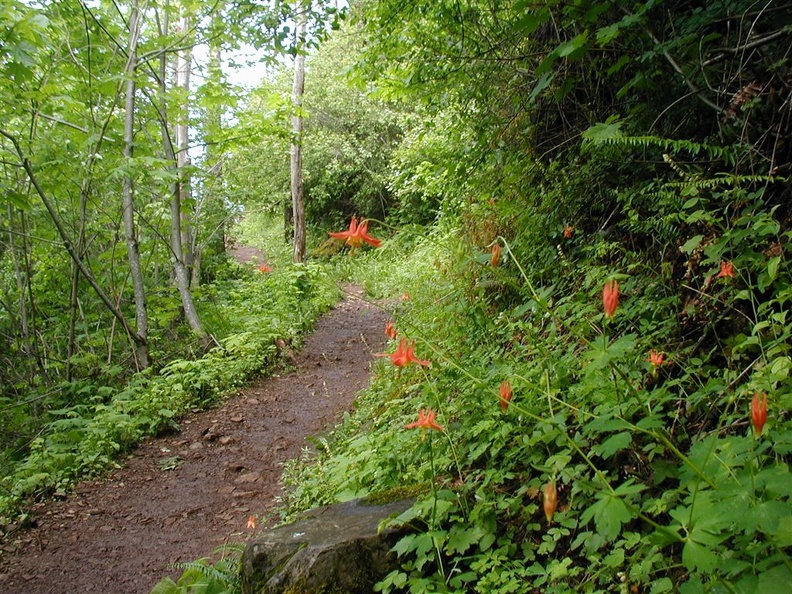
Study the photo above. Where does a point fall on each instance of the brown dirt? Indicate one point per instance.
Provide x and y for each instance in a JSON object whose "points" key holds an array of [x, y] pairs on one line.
{"points": [[248, 255], [119, 534]]}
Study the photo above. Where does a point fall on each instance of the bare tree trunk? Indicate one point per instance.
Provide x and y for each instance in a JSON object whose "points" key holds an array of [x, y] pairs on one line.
{"points": [[71, 347], [179, 268], [19, 260], [183, 69], [298, 204], [133, 250]]}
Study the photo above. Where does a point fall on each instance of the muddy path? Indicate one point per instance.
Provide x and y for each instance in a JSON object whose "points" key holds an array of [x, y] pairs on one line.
{"points": [[179, 497]]}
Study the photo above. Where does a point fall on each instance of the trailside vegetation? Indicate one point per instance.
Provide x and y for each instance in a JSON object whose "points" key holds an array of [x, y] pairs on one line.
{"points": [[603, 300]]}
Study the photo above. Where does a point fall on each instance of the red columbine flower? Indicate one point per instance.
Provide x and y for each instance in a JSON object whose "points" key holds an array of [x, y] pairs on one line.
{"points": [[656, 358], [727, 270], [495, 257], [610, 298], [404, 355], [405, 297], [426, 421], [390, 330], [357, 234], [505, 395], [569, 231], [550, 500], [759, 412], [251, 523], [264, 268]]}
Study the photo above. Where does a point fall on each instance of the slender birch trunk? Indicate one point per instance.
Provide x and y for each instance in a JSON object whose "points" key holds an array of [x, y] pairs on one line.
{"points": [[298, 203], [19, 260], [183, 70], [71, 347], [133, 250], [180, 270]]}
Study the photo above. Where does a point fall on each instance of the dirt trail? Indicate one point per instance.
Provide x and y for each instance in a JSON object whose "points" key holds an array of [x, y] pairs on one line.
{"points": [[179, 497]]}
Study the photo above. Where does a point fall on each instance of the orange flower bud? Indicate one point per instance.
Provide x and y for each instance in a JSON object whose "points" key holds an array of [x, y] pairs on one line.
{"points": [[505, 395], [495, 257], [610, 298], [759, 412], [390, 330], [550, 500]]}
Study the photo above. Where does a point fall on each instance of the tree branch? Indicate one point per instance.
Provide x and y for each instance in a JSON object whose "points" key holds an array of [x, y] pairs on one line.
{"points": [[749, 45], [67, 242]]}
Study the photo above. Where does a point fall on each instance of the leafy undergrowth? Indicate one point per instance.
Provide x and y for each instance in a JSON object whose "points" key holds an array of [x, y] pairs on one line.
{"points": [[583, 441], [253, 311]]}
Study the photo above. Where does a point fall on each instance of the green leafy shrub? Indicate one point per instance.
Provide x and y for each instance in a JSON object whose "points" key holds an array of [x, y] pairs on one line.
{"points": [[662, 481]]}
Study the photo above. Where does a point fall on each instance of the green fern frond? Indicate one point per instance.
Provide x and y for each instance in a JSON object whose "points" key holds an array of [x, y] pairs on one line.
{"points": [[223, 574], [610, 134], [725, 180]]}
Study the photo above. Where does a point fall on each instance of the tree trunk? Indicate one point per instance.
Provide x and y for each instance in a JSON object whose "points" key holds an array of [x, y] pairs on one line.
{"points": [[133, 251], [71, 348], [212, 208], [183, 69], [298, 204], [180, 270], [20, 262]]}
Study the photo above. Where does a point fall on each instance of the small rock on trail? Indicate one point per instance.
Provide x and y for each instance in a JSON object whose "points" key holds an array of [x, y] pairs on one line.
{"points": [[177, 498]]}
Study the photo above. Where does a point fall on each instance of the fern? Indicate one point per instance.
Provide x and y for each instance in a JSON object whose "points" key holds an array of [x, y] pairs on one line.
{"points": [[610, 134], [725, 180], [199, 576]]}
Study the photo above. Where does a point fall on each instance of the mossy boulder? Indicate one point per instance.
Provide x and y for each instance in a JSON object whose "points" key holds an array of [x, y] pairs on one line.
{"points": [[336, 549]]}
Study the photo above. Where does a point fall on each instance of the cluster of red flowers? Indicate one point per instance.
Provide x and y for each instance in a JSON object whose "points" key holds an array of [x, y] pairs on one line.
{"points": [[401, 357]]}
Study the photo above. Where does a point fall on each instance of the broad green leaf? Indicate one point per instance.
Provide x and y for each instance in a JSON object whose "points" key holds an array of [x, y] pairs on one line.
{"points": [[691, 244], [609, 513], [772, 267], [613, 444], [573, 48], [607, 34], [692, 586], [775, 581], [531, 21], [603, 131], [782, 535], [699, 557], [661, 585], [460, 538]]}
